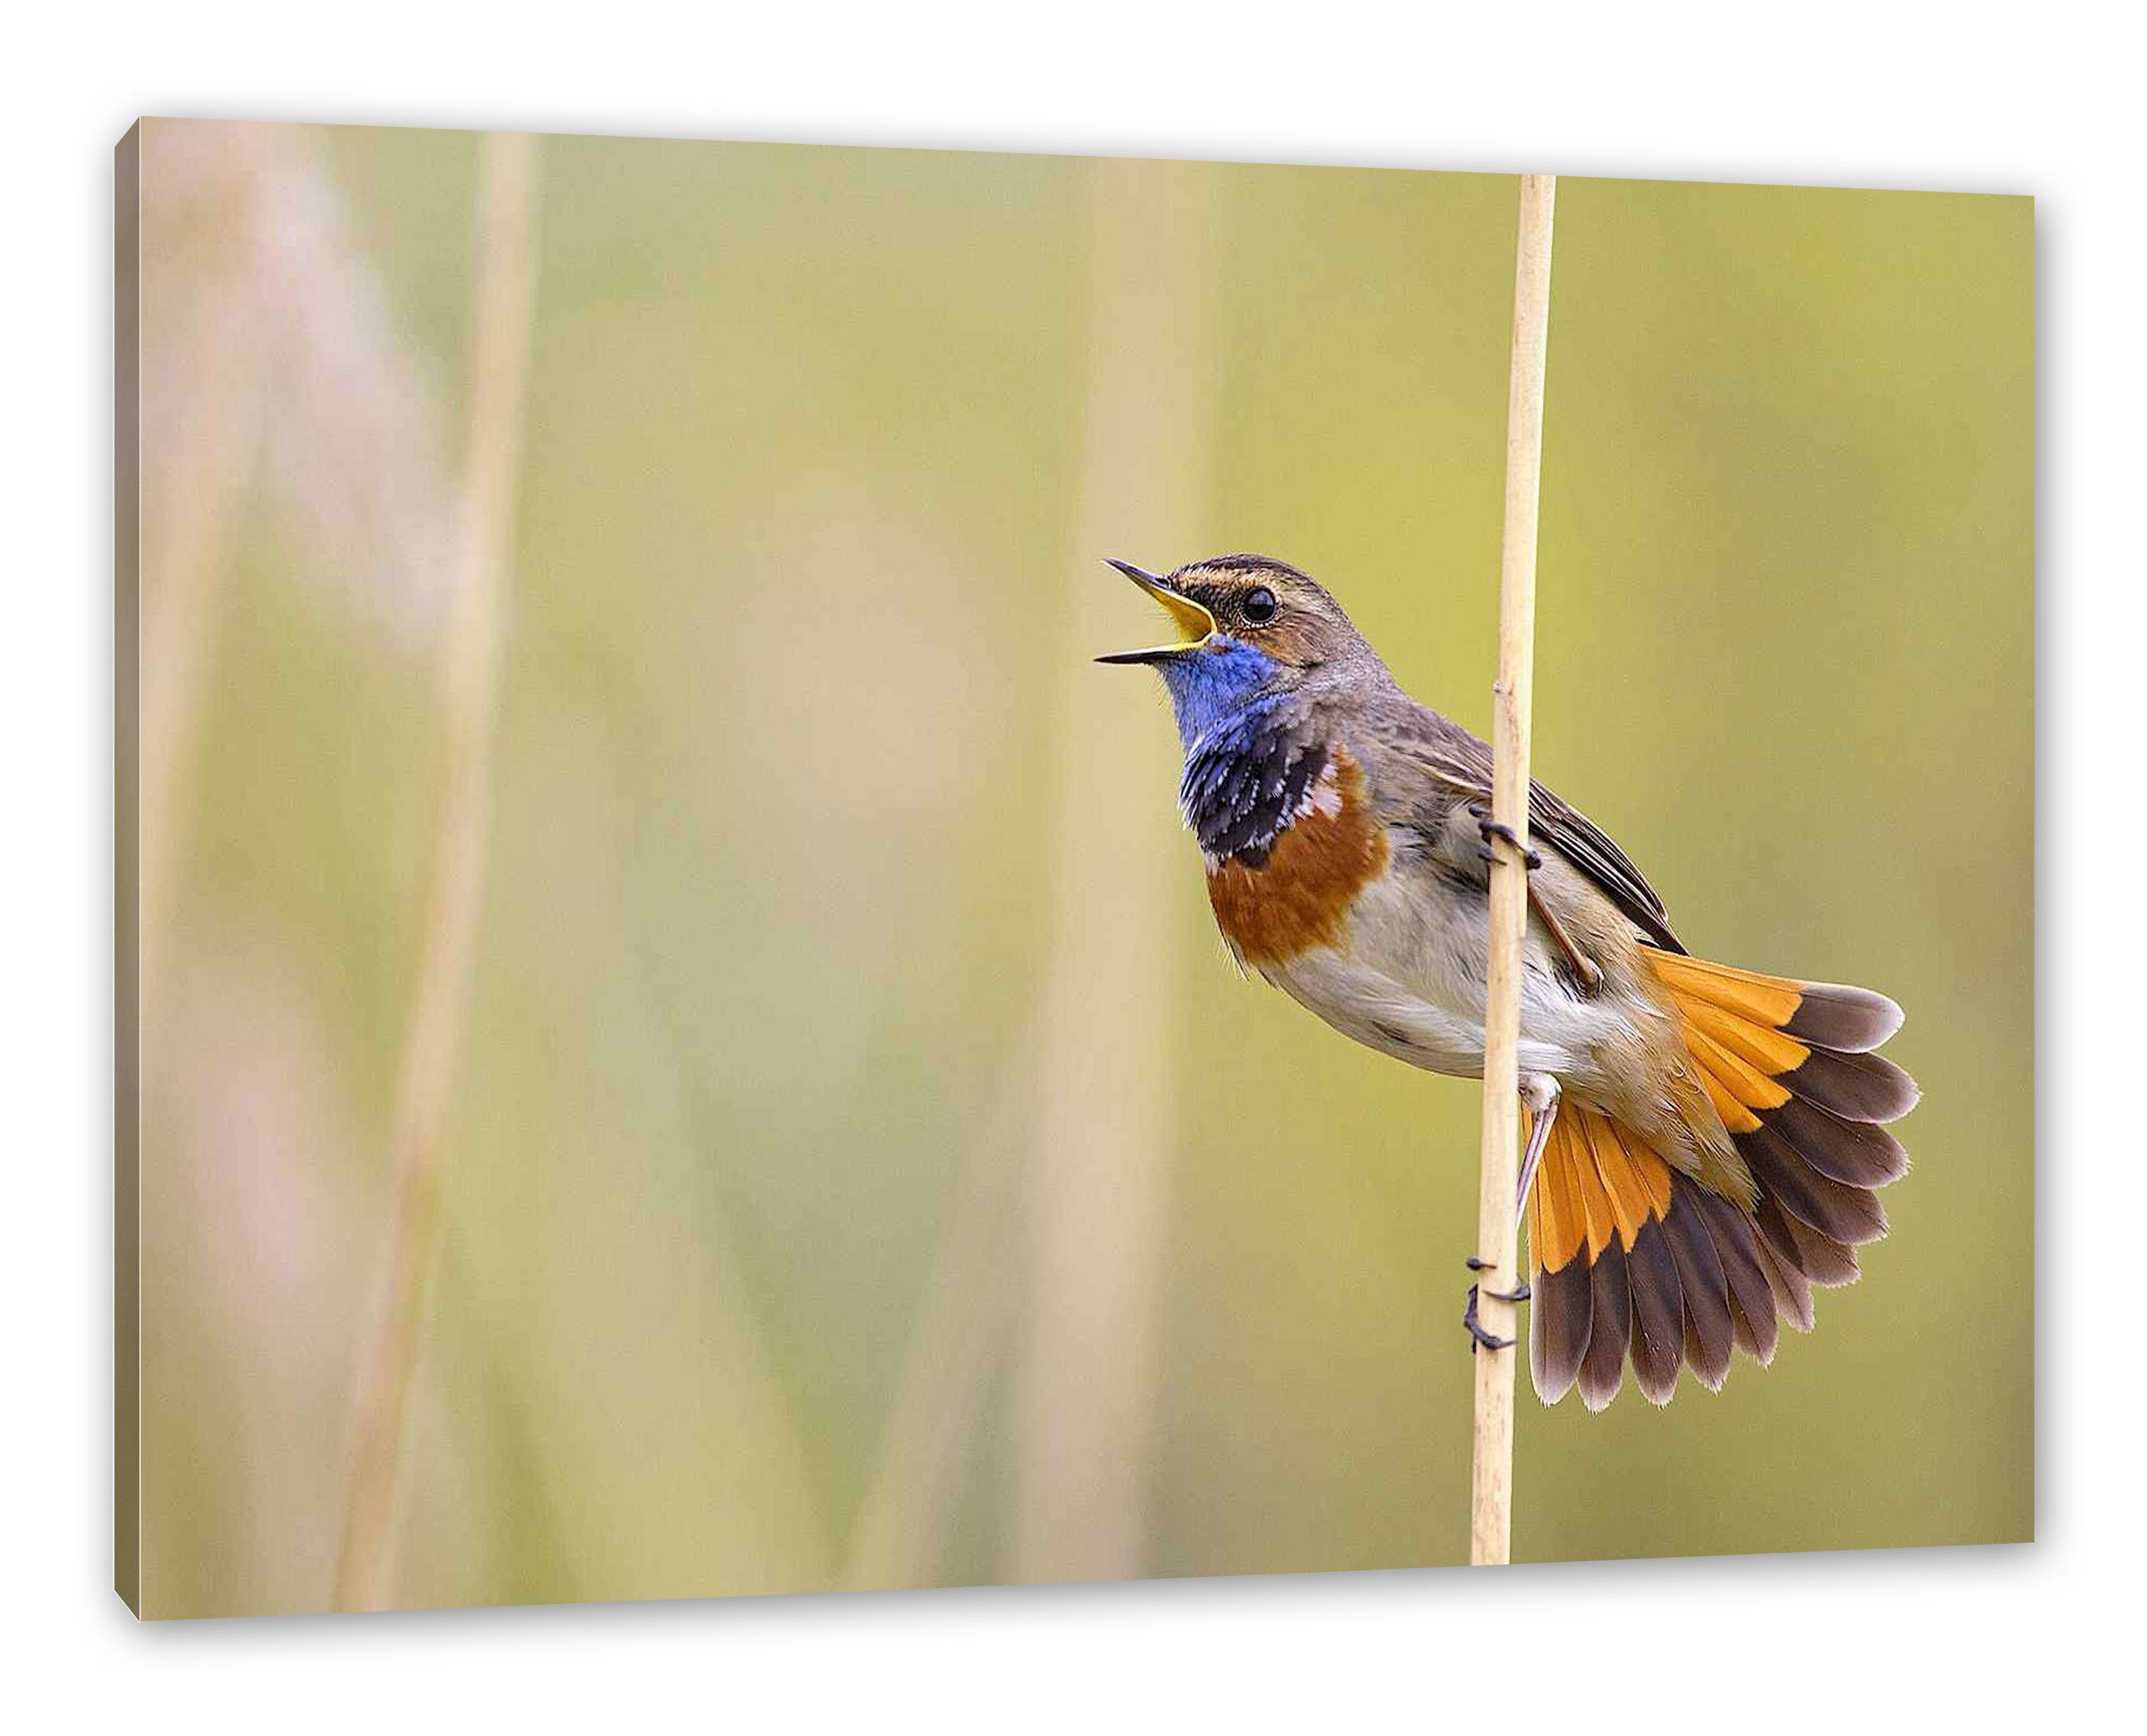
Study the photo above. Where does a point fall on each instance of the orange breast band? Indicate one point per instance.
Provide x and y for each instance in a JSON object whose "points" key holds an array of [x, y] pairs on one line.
{"points": [[1299, 897]]}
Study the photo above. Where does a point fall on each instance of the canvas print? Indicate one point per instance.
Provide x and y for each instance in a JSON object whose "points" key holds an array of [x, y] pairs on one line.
{"points": [[820, 848]]}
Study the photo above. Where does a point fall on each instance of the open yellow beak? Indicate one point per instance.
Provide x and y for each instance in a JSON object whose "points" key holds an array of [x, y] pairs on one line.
{"points": [[1193, 619]]}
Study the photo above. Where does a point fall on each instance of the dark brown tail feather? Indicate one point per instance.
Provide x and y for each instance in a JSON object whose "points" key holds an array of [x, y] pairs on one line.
{"points": [[1752, 1305], [1853, 1153], [1849, 1021], [1710, 1328], [1819, 1259], [1792, 1290], [1658, 1312], [1602, 1368], [1849, 1214], [1855, 1087], [1559, 1324]]}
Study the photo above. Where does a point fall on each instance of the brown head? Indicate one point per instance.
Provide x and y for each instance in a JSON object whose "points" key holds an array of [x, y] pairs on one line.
{"points": [[1251, 601]]}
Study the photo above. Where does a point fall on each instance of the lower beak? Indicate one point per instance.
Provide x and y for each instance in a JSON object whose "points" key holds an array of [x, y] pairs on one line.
{"points": [[1192, 618]]}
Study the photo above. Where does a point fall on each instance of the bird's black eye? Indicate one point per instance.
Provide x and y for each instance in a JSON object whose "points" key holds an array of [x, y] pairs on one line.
{"points": [[1259, 605]]}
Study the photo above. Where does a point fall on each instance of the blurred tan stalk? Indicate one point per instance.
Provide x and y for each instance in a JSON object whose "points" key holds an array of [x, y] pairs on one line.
{"points": [[960, 1339], [1085, 1393], [201, 389], [272, 380], [503, 274]]}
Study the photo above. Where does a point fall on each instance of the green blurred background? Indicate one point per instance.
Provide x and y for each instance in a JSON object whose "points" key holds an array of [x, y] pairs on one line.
{"points": [[863, 1165]]}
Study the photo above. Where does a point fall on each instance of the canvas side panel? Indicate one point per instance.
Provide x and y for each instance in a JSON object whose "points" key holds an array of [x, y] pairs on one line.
{"points": [[127, 549]]}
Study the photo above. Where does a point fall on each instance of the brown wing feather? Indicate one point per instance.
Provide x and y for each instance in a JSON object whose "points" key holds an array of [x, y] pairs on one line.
{"points": [[1462, 763]]}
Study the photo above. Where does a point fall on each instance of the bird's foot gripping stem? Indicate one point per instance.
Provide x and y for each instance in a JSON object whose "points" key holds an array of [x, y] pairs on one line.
{"points": [[1485, 1338], [1586, 972], [1490, 828]]}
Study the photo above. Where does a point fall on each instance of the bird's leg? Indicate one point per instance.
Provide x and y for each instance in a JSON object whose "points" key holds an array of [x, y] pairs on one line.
{"points": [[1589, 972], [1585, 968], [1540, 1093]]}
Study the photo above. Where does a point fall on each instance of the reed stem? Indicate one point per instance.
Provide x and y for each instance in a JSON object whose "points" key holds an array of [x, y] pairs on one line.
{"points": [[1085, 1400], [502, 272], [1491, 1496]]}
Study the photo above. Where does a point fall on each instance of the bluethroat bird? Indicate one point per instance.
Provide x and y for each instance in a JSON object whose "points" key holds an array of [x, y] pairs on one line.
{"points": [[1705, 1143]]}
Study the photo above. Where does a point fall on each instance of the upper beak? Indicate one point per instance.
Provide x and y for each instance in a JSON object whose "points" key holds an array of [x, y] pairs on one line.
{"points": [[1192, 618]]}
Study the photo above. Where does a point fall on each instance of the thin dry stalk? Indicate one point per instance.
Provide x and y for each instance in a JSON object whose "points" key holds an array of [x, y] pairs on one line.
{"points": [[960, 1339], [203, 391], [470, 653], [271, 383], [1085, 1392], [1491, 1505]]}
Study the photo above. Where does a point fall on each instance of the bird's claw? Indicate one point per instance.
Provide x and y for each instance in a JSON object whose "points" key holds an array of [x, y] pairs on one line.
{"points": [[1486, 1340], [1519, 1293], [1491, 828]]}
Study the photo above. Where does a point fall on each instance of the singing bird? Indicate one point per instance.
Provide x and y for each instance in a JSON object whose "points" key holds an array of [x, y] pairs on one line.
{"points": [[1705, 1143]]}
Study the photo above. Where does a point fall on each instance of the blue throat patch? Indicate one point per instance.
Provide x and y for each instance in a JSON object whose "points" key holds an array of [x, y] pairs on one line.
{"points": [[1248, 763], [1208, 688]]}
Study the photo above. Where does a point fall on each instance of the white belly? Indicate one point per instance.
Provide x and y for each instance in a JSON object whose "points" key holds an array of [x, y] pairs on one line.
{"points": [[1409, 982]]}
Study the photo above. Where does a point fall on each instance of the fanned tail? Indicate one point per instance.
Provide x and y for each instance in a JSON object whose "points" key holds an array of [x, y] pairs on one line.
{"points": [[1636, 1260]]}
